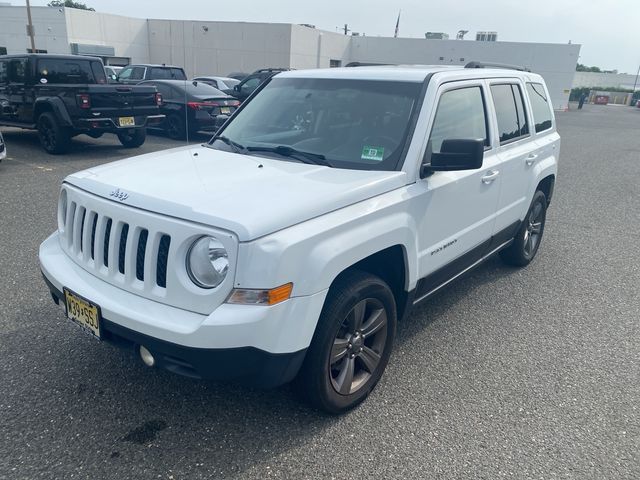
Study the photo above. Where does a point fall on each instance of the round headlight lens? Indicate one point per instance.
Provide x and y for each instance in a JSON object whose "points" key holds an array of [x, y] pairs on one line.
{"points": [[207, 262]]}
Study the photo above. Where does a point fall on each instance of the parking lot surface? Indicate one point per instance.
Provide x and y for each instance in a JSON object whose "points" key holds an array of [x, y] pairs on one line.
{"points": [[531, 373]]}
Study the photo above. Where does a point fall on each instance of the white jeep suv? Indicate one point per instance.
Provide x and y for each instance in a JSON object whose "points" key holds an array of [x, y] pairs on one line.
{"points": [[289, 246]]}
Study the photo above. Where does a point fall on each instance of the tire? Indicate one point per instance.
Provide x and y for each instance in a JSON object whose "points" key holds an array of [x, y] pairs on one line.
{"points": [[133, 140], [342, 366], [175, 127], [54, 138], [527, 241]]}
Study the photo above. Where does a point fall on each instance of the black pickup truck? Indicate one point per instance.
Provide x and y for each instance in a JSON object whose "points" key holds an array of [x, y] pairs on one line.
{"points": [[66, 95]]}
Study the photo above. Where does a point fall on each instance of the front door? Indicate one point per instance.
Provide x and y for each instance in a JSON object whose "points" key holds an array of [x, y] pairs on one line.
{"points": [[458, 208]]}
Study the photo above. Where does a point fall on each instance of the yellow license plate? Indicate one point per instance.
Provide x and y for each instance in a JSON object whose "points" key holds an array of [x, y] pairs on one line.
{"points": [[83, 312], [127, 121], [225, 110]]}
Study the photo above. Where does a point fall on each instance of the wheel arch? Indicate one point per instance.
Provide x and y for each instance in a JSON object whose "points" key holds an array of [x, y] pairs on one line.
{"points": [[53, 105], [546, 186]]}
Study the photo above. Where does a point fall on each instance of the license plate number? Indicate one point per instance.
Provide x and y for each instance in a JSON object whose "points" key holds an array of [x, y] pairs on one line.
{"points": [[225, 110], [127, 121], [83, 312]]}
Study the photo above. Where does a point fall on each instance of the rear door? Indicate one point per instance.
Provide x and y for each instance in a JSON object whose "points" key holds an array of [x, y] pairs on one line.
{"points": [[15, 109], [459, 207], [515, 152]]}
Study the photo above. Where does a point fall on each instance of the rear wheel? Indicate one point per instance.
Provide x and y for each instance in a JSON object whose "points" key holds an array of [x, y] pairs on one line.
{"points": [[527, 241], [54, 138], [351, 345], [133, 140], [175, 127]]}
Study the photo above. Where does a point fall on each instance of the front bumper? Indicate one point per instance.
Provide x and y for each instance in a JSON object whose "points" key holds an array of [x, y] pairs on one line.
{"points": [[252, 344]]}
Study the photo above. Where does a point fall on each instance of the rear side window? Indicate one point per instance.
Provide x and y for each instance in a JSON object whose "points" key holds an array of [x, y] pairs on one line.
{"points": [[98, 72], [542, 116], [512, 123], [460, 115], [64, 71], [17, 69]]}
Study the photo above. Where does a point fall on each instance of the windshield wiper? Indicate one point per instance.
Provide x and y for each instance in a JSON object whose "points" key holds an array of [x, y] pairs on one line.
{"points": [[287, 151], [237, 148]]}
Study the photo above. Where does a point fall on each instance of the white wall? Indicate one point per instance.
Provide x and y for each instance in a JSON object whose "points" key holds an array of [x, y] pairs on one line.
{"points": [[555, 62], [594, 79], [311, 48], [128, 36], [218, 48], [50, 27]]}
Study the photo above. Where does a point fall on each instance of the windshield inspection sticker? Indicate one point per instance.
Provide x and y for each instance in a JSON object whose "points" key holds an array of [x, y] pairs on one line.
{"points": [[372, 153]]}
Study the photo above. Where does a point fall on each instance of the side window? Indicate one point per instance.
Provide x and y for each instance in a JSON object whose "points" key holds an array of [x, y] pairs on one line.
{"points": [[17, 70], [4, 71], [137, 73], [98, 72], [125, 74], [523, 123], [504, 101], [250, 85], [64, 71], [460, 115], [540, 108]]}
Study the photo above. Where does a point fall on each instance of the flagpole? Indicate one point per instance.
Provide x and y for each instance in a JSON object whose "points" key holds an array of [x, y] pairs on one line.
{"points": [[395, 35]]}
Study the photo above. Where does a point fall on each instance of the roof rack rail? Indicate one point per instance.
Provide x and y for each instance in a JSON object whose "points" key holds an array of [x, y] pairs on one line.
{"points": [[496, 65], [367, 64]]}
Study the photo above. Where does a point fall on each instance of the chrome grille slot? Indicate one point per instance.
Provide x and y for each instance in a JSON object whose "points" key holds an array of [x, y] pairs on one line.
{"points": [[122, 248], [107, 235], [94, 225], [138, 251], [163, 256]]}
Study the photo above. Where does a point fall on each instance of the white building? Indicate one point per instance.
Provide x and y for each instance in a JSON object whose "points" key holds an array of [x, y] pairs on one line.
{"points": [[606, 80], [209, 47]]}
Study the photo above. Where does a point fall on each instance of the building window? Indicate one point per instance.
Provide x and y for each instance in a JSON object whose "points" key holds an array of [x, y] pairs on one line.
{"points": [[441, 59], [3, 50], [335, 63]]}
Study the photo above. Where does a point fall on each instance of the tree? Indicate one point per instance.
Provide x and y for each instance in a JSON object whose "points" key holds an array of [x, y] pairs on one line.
{"points": [[69, 4], [583, 68]]}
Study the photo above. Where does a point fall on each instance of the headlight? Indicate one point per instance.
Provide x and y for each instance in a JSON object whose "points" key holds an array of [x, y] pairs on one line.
{"points": [[62, 209], [207, 262]]}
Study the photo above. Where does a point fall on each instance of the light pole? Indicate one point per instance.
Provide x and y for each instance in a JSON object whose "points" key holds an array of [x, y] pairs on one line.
{"points": [[636, 82], [30, 28]]}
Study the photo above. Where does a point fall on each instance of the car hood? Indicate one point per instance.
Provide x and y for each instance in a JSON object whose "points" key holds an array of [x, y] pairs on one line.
{"points": [[250, 196]]}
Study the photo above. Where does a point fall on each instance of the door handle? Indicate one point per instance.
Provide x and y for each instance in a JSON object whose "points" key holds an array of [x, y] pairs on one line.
{"points": [[490, 177], [531, 158]]}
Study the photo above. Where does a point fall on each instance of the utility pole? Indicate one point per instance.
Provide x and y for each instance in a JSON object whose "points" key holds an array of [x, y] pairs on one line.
{"points": [[30, 28], [636, 82], [346, 29]]}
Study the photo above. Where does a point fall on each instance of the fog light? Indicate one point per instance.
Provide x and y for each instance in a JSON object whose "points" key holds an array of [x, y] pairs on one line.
{"points": [[146, 356]]}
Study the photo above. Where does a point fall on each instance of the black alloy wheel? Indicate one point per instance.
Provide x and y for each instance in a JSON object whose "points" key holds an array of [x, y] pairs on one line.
{"points": [[53, 138], [175, 127], [352, 343], [527, 241]]}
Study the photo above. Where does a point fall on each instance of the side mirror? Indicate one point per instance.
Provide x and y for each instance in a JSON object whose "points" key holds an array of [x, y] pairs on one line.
{"points": [[454, 155], [236, 88]]}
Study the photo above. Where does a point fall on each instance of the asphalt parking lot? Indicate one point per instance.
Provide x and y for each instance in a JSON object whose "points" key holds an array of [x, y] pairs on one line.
{"points": [[530, 373]]}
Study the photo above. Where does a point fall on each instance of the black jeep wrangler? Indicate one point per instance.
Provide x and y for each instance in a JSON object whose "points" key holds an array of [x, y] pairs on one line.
{"points": [[66, 95]]}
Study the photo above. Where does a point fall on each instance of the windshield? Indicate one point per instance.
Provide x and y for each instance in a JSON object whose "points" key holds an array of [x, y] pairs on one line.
{"points": [[356, 124]]}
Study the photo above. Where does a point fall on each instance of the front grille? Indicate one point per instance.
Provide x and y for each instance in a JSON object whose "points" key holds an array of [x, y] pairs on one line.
{"points": [[138, 251], [117, 246]]}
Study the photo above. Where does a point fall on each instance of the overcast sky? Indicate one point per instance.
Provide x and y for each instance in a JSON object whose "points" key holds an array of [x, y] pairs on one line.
{"points": [[609, 32]]}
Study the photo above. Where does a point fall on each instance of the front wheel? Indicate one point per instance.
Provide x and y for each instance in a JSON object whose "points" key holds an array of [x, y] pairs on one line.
{"points": [[133, 140], [527, 241], [352, 343]]}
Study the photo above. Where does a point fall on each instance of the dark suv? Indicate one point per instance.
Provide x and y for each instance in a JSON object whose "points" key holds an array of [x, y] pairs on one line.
{"points": [[132, 74], [253, 81]]}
